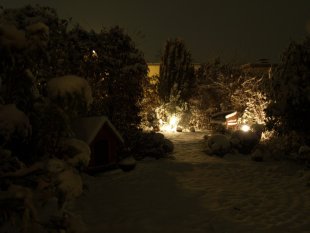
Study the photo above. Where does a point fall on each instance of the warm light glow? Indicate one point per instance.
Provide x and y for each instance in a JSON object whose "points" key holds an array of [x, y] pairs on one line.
{"points": [[171, 126], [173, 121], [245, 128], [94, 53]]}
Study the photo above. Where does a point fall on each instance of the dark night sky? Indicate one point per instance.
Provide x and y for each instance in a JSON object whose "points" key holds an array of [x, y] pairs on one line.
{"points": [[235, 30]]}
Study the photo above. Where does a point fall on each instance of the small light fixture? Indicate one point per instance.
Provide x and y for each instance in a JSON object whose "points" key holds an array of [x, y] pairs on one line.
{"points": [[170, 126], [245, 128], [94, 53]]}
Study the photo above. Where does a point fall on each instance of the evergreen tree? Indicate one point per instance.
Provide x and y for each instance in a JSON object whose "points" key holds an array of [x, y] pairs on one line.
{"points": [[289, 89], [176, 71]]}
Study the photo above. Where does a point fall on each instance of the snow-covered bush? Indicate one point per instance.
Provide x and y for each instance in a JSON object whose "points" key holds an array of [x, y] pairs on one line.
{"points": [[245, 142], [284, 146], [14, 124], [70, 183], [173, 114], [150, 145], [33, 48], [250, 100], [11, 37], [50, 124], [39, 35], [165, 96], [55, 166], [217, 144], [77, 153], [223, 87], [216, 83], [149, 103], [40, 46]]}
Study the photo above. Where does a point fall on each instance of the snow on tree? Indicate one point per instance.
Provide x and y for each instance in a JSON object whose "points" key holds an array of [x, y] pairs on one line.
{"points": [[38, 34], [69, 90], [13, 123], [38, 27], [250, 100], [33, 48], [11, 37]]}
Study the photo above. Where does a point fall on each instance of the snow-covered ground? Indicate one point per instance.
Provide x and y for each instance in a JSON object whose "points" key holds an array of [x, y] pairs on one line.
{"points": [[198, 193]]}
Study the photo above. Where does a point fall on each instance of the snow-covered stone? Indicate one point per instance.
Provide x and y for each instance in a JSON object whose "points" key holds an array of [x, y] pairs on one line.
{"points": [[127, 164], [179, 129]]}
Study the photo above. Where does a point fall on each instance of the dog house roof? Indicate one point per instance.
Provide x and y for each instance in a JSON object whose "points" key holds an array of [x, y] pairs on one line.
{"points": [[87, 128]]}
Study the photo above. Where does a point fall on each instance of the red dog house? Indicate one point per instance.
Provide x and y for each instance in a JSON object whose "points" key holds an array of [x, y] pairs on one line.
{"points": [[103, 139], [232, 120]]}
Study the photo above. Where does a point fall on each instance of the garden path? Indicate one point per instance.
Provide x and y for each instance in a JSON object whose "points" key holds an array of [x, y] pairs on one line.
{"points": [[197, 193]]}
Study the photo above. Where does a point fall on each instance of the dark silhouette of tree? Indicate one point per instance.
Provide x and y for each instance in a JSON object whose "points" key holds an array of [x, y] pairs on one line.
{"points": [[115, 69], [176, 71], [288, 90]]}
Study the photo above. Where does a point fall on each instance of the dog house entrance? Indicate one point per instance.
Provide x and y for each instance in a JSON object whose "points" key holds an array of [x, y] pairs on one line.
{"points": [[101, 150]]}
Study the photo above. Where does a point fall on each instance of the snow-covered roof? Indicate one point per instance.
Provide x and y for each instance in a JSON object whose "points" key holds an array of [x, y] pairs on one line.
{"points": [[86, 128], [221, 115]]}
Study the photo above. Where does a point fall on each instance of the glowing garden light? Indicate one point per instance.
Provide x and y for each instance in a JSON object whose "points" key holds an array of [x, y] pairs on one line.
{"points": [[173, 122], [94, 54], [170, 126], [245, 128]]}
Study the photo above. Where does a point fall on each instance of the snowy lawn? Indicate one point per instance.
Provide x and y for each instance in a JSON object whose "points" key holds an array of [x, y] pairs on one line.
{"points": [[198, 193]]}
